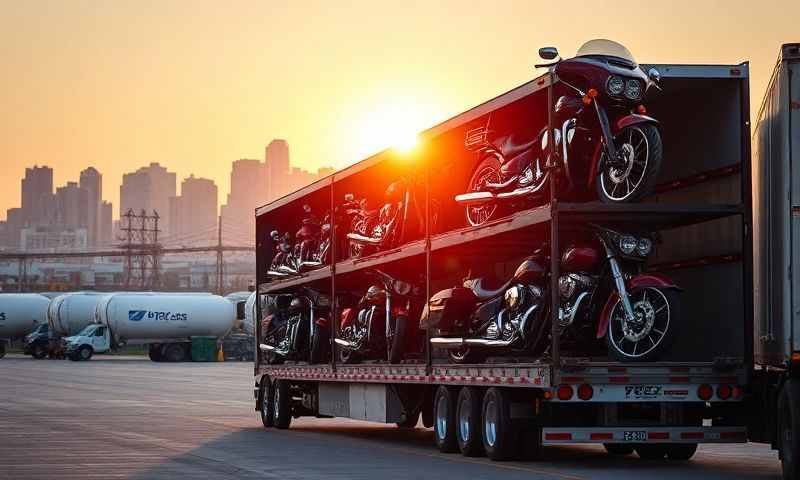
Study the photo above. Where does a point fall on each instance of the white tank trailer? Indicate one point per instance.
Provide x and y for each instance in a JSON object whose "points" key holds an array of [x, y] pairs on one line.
{"points": [[20, 313], [164, 321], [249, 321], [72, 312]]}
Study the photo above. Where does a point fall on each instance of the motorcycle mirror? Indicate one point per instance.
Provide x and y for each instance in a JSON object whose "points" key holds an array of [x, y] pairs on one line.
{"points": [[306, 208], [349, 197], [274, 234], [548, 53], [654, 75]]}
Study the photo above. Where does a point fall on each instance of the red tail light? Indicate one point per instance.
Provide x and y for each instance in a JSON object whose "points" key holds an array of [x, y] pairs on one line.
{"points": [[585, 392], [724, 392], [564, 392], [641, 109], [705, 392]]}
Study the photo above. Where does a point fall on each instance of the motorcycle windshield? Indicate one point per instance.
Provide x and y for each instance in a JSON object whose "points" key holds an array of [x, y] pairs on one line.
{"points": [[606, 48]]}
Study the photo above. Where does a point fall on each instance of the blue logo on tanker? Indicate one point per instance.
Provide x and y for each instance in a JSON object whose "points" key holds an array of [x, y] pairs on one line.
{"points": [[139, 315]]}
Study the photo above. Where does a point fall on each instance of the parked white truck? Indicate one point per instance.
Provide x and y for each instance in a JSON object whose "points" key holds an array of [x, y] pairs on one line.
{"points": [[20, 313], [166, 322]]}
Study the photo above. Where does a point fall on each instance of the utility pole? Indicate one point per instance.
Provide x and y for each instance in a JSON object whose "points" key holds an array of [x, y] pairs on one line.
{"points": [[220, 260], [128, 246]]}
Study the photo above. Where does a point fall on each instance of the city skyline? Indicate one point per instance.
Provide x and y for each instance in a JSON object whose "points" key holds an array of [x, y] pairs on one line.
{"points": [[125, 83]]}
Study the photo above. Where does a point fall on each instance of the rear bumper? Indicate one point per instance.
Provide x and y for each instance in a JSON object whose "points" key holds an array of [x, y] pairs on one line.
{"points": [[637, 435]]}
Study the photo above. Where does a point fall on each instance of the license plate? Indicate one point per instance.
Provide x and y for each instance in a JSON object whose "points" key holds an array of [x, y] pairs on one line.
{"points": [[635, 436], [643, 391]]}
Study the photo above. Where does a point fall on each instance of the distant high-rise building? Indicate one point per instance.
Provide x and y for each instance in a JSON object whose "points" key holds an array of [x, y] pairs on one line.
{"points": [[149, 189], [91, 181], [248, 191], [105, 225], [37, 190], [193, 215], [71, 201], [14, 223], [276, 157]]}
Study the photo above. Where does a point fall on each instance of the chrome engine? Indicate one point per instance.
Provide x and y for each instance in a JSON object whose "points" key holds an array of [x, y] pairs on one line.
{"points": [[573, 288]]}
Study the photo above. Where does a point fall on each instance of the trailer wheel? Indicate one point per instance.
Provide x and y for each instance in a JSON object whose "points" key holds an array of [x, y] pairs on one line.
{"points": [[84, 353], [788, 424], [651, 451], [281, 405], [39, 352], [444, 420], [265, 396], [498, 432], [174, 352], [468, 427], [618, 448], [681, 451]]}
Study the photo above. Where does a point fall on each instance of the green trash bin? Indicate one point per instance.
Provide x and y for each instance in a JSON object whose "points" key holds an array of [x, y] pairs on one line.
{"points": [[204, 349]]}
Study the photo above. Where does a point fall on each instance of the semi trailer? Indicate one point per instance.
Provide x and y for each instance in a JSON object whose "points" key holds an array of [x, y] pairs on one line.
{"points": [[165, 322], [20, 313], [511, 405]]}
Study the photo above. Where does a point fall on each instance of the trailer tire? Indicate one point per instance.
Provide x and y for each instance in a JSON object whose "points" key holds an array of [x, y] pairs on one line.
{"points": [[265, 399], [681, 451], [174, 352], [444, 420], [468, 424], [618, 448], [651, 451], [39, 352], [789, 428], [498, 433], [281, 405]]}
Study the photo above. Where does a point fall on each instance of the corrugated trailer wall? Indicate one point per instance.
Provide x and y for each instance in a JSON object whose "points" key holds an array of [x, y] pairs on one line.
{"points": [[776, 221]]}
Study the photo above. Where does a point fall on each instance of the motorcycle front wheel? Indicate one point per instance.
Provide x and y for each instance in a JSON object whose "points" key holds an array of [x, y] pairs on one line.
{"points": [[653, 330], [641, 152]]}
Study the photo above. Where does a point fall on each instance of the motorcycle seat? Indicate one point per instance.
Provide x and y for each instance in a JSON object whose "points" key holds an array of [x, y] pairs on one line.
{"points": [[512, 145], [482, 293]]}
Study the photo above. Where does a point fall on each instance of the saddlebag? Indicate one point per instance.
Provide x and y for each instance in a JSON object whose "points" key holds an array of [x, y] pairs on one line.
{"points": [[447, 310]]}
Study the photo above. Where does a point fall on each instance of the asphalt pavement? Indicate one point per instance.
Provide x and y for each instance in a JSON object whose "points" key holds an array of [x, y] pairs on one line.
{"points": [[126, 417]]}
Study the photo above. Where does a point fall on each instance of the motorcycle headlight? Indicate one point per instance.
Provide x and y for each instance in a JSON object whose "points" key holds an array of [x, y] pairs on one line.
{"points": [[401, 287], [627, 244], [526, 177], [615, 85], [644, 247], [633, 89], [513, 297]]}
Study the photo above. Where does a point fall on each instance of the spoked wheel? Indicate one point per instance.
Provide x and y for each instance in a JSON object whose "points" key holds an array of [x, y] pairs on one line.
{"points": [[469, 429], [651, 330], [444, 420], [634, 173], [266, 396], [281, 405], [488, 171]]}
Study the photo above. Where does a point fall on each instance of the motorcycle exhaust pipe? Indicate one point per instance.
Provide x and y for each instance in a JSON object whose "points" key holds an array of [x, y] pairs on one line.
{"points": [[520, 192], [356, 237], [266, 348], [344, 343], [475, 198], [455, 342], [274, 273]]}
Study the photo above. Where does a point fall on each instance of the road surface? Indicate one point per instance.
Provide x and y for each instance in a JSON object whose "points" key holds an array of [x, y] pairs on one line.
{"points": [[126, 417]]}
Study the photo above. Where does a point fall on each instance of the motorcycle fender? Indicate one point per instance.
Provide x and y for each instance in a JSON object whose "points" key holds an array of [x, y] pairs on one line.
{"points": [[619, 125], [348, 314], [639, 281]]}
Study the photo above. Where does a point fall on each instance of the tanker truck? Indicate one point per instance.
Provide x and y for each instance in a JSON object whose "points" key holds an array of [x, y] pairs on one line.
{"points": [[239, 344], [165, 322], [67, 315], [20, 313]]}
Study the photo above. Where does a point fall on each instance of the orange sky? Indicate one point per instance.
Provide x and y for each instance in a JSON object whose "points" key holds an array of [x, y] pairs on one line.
{"points": [[196, 84]]}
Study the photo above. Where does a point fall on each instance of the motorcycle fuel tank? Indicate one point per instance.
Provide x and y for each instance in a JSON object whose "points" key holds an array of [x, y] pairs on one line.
{"points": [[529, 271], [580, 258]]}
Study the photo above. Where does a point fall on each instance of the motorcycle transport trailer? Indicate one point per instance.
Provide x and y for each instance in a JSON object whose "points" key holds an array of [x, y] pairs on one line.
{"points": [[699, 211]]}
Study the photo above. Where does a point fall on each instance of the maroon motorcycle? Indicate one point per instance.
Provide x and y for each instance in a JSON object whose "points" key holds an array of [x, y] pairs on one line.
{"points": [[603, 290], [608, 147]]}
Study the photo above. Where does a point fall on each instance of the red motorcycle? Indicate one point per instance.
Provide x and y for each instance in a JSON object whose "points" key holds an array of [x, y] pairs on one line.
{"points": [[604, 292], [606, 143]]}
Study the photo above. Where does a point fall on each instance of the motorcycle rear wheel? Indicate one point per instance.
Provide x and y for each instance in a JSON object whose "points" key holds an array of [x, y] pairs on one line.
{"points": [[486, 171], [643, 150]]}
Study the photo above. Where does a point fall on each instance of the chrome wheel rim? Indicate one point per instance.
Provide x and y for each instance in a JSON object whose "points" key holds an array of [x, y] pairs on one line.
{"points": [[619, 183], [477, 215], [275, 402], [265, 403], [490, 423], [647, 330], [441, 419], [463, 420]]}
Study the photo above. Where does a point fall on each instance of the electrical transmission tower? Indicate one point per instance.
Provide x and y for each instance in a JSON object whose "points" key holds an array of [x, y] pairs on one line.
{"points": [[142, 250]]}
